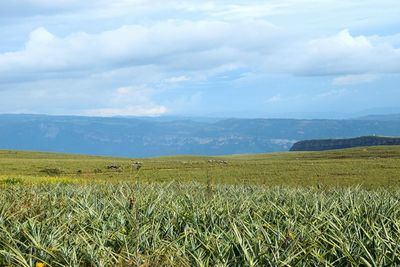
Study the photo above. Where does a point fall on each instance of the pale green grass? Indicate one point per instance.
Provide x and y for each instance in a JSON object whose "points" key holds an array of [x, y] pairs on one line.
{"points": [[370, 167]]}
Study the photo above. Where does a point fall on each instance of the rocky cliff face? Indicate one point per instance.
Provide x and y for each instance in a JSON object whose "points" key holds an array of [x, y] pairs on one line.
{"points": [[328, 144]]}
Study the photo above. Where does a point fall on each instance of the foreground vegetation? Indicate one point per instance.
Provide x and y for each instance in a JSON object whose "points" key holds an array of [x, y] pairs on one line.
{"points": [[197, 225], [334, 208]]}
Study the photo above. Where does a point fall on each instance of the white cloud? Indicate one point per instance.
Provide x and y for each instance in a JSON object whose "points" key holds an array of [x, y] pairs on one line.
{"points": [[355, 79], [177, 79], [117, 7], [334, 93], [128, 111], [261, 9], [68, 97], [274, 99], [53, 49], [179, 44], [341, 54], [201, 48], [130, 100]]}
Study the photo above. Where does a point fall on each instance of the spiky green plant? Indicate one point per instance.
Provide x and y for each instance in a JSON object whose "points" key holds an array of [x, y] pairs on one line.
{"points": [[184, 225]]}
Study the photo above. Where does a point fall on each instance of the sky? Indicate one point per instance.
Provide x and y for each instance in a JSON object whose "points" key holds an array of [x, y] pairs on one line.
{"points": [[271, 58]]}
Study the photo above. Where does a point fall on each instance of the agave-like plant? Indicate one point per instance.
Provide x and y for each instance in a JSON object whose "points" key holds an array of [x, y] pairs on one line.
{"points": [[192, 225]]}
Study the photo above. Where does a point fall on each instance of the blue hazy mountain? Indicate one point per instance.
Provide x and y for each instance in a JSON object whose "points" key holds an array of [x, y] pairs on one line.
{"points": [[144, 137]]}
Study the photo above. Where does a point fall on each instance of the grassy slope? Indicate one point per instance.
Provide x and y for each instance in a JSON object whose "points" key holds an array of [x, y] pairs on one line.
{"points": [[370, 167]]}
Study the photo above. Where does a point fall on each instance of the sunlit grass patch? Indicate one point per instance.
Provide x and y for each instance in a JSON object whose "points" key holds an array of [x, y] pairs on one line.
{"points": [[6, 180], [372, 167]]}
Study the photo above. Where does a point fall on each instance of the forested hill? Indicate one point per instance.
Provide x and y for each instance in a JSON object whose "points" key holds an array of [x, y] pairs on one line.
{"points": [[330, 144], [144, 137]]}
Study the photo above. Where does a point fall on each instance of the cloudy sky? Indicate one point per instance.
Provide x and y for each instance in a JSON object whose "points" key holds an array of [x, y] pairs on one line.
{"points": [[200, 58]]}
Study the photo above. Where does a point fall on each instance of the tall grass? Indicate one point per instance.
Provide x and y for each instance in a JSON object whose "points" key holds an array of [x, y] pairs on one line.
{"points": [[190, 225]]}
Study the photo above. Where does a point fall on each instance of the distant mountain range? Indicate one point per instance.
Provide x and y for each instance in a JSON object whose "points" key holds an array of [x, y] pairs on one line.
{"points": [[145, 137]]}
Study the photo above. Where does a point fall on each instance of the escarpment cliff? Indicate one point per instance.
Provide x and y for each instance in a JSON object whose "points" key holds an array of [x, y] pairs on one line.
{"points": [[329, 144]]}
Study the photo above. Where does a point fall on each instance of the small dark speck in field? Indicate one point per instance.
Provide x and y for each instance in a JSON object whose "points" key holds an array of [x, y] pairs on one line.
{"points": [[52, 171]]}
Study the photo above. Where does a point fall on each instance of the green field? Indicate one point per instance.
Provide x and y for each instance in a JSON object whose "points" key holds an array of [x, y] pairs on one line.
{"points": [[370, 167], [334, 208]]}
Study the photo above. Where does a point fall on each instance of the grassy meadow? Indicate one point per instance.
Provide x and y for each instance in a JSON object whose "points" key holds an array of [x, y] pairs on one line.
{"points": [[368, 167], [334, 208]]}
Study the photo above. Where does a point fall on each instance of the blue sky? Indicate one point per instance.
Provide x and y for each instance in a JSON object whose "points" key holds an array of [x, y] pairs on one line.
{"points": [[273, 58]]}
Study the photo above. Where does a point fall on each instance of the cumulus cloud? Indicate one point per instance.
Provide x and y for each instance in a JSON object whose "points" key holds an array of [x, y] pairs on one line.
{"points": [[129, 101], [179, 44], [341, 54], [201, 47], [134, 45], [77, 97]]}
